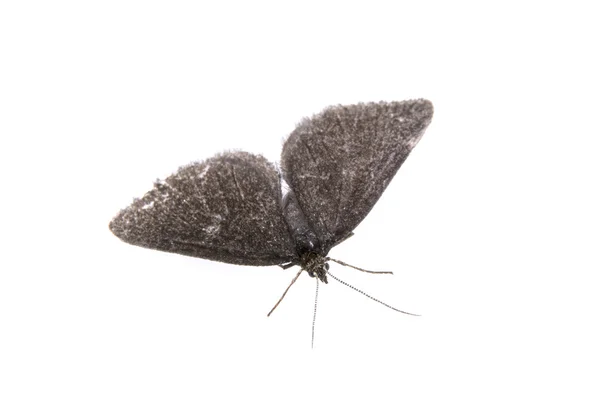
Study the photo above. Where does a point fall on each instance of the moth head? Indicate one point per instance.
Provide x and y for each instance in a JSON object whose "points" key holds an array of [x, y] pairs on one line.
{"points": [[320, 272], [316, 265]]}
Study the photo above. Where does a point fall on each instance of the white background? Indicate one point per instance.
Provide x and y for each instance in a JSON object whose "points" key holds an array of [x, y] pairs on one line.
{"points": [[491, 227]]}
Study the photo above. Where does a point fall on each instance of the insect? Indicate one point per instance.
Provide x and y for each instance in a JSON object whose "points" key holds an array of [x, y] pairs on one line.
{"points": [[231, 207]]}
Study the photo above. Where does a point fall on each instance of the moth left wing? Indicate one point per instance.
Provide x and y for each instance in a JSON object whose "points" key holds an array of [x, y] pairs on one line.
{"points": [[227, 208]]}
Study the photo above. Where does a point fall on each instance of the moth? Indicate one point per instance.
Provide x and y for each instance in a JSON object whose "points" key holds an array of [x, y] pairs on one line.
{"points": [[231, 207]]}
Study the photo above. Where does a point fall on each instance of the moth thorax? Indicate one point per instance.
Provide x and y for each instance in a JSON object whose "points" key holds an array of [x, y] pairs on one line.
{"points": [[315, 264]]}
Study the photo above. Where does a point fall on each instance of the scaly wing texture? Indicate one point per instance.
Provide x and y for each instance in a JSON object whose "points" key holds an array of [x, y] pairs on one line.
{"points": [[339, 162], [227, 208]]}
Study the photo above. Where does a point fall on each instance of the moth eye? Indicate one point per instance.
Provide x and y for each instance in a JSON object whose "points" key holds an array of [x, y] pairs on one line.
{"points": [[327, 266], [311, 274]]}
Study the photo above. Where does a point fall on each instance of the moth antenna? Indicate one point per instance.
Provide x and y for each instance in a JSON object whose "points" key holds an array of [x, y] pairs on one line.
{"points": [[369, 296], [360, 269], [312, 343], [284, 293]]}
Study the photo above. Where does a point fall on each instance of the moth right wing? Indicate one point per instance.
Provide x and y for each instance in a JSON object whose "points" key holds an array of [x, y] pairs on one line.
{"points": [[339, 162], [227, 208]]}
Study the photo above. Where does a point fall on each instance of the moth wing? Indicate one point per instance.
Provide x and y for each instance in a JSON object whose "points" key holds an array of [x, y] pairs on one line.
{"points": [[227, 208], [339, 162]]}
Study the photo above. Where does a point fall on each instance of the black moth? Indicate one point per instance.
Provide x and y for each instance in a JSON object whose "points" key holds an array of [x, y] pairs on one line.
{"points": [[230, 208]]}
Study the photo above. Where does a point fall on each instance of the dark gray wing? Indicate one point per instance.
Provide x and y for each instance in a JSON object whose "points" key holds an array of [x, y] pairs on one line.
{"points": [[339, 162], [227, 208]]}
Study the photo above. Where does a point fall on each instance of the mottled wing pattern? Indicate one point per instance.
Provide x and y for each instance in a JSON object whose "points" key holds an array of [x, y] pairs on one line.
{"points": [[340, 161], [227, 208]]}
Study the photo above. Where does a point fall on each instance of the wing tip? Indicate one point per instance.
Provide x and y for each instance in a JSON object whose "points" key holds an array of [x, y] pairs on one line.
{"points": [[422, 111], [116, 226], [423, 104], [417, 107]]}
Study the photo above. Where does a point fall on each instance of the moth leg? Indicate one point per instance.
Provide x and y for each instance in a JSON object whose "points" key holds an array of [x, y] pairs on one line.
{"points": [[284, 293], [360, 269], [286, 266]]}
